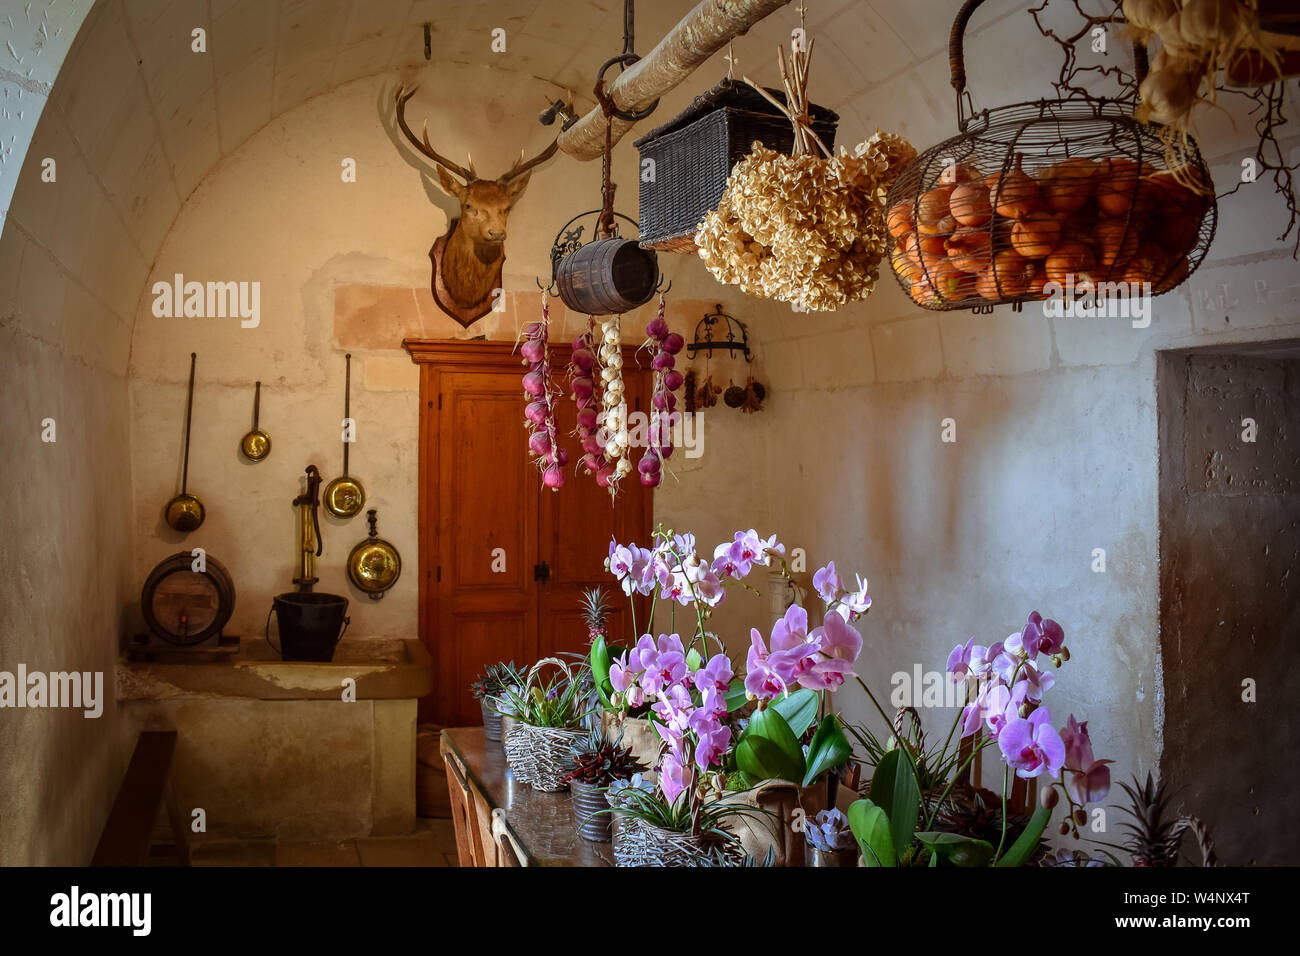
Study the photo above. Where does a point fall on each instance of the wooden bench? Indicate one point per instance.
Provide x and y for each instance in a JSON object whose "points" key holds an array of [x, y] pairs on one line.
{"points": [[128, 834]]}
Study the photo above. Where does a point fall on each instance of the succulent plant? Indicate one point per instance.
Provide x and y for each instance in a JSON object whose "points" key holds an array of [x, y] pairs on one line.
{"points": [[599, 761], [495, 679]]}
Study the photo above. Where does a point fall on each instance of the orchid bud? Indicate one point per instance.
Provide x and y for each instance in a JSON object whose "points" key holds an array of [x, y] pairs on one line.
{"points": [[1050, 798], [1064, 828], [1081, 816], [1065, 653]]}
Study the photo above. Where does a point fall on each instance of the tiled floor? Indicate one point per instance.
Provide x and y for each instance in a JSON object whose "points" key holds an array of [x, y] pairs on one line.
{"points": [[432, 844]]}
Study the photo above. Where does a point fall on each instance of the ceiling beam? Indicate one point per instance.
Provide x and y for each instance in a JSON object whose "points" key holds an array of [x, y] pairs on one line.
{"points": [[697, 36]]}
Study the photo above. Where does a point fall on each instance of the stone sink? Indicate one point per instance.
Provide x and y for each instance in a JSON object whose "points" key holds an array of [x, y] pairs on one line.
{"points": [[383, 668]]}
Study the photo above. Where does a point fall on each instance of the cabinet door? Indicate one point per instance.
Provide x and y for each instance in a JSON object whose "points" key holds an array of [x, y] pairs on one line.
{"points": [[486, 536]]}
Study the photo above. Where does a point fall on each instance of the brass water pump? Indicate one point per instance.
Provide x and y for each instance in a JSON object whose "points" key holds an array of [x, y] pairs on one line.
{"points": [[309, 539]]}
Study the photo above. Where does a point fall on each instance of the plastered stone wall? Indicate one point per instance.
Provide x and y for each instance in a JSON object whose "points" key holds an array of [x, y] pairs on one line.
{"points": [[1056, 424], [70, 268]]}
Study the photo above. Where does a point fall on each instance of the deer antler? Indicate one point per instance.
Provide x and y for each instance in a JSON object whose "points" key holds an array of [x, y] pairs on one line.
{"points": [[424, 146], [520, 167]]}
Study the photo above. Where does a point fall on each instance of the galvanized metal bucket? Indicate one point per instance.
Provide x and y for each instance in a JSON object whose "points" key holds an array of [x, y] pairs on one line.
{"points": [[491, 721], [591, 813]]}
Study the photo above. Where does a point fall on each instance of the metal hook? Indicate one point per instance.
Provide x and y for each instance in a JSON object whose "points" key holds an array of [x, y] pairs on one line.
{"points": [[550, 289], [664, 289]]}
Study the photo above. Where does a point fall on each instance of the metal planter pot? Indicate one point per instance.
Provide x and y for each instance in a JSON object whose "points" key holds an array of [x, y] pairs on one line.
{"points": [[591, 814], [815, 857], [491, 721]]}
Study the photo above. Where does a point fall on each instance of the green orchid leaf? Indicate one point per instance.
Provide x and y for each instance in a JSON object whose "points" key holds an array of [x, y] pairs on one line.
{"points": [[1024, 847], [768, 749], [735, 696], [799, 709], [956, 850], [894, 788], [870, 826], [829, 749], [600, 660]]}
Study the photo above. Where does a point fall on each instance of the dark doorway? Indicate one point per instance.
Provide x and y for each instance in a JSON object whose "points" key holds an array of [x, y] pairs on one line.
{"points": [[1230, 592]]}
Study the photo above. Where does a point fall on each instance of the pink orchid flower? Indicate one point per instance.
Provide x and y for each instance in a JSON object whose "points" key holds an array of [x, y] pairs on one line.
{"points": [[1032, 746], [1088, 779]]}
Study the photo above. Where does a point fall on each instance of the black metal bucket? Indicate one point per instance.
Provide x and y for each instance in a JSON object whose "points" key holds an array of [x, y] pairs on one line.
{"points": [[310, 625], [608, 277]]}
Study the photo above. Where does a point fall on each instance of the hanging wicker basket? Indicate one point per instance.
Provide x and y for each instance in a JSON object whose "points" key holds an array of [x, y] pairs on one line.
{"points": [[539, 756], [693, 154], [1069, 193]]}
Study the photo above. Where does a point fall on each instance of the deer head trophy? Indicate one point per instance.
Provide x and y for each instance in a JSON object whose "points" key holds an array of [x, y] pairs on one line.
{"points": [[467, 260]]}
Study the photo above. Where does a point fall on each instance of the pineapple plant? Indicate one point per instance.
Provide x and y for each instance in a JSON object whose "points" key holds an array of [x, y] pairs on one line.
{"points": [[594, 612], [1153, 836]]}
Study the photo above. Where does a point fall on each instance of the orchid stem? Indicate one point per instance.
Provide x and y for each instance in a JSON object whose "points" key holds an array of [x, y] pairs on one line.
{"points": [[1006, 779]]}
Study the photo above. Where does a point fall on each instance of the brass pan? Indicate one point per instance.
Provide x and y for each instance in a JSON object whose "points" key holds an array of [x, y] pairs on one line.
{"points": [[374, 565], [345, 496], [185, 512], [256, 445]]}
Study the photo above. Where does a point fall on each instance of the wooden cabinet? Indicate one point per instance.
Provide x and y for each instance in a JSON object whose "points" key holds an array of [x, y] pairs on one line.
{"points": [[503, 560]]}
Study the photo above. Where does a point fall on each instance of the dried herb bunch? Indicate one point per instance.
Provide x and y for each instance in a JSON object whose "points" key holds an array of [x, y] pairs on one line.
{"points": [[806, 229], [599, 761]]}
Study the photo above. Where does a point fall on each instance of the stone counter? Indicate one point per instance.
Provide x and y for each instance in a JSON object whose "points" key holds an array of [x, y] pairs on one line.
{"points": [[270, 748]]}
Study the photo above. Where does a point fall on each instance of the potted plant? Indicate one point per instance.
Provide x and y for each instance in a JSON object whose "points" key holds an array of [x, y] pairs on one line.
{"points": [[829, 840], [598, 762], [919, 811], [792, 749], [696, 703], [487, 689], [547, 717]]}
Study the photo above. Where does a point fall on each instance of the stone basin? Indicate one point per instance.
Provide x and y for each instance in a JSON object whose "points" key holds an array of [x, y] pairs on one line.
{"points": [[287, 749], [382, 668]]}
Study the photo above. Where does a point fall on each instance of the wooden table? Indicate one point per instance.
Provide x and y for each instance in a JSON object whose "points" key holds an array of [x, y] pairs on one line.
{"points": [[540, 825]]}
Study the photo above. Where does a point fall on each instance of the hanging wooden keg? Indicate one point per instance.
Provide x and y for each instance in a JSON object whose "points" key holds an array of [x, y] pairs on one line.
{"points": [[184, 606], [608, 277]]}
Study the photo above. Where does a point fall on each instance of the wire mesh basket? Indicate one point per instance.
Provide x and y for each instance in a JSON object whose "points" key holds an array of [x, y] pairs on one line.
{"points": [[1067, 197]]}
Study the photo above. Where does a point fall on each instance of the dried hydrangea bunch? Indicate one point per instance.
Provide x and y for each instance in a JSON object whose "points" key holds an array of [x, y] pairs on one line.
{"points": [[805, 229]]}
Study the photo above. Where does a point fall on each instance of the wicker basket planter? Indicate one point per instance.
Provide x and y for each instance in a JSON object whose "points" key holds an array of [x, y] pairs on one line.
{"points": [[538, 756], [694, 153], [637, 843]]}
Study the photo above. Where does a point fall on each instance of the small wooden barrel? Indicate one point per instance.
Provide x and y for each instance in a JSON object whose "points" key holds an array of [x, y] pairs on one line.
{"points": [[184, 606], [608, 276]]}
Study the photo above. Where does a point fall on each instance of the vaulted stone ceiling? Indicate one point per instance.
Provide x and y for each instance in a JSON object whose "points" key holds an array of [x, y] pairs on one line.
{"points": [[152, 118]]}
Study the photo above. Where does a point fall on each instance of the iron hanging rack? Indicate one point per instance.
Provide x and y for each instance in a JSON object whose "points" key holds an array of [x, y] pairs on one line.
{"points": [[624, 59], [705, 340]]}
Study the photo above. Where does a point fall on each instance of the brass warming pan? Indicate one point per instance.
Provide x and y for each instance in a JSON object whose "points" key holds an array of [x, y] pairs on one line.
{"points": [[374, 565]]}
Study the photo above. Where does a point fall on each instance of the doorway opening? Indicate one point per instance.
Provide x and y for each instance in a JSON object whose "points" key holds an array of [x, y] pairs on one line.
{"points": [[1229, 420]]}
